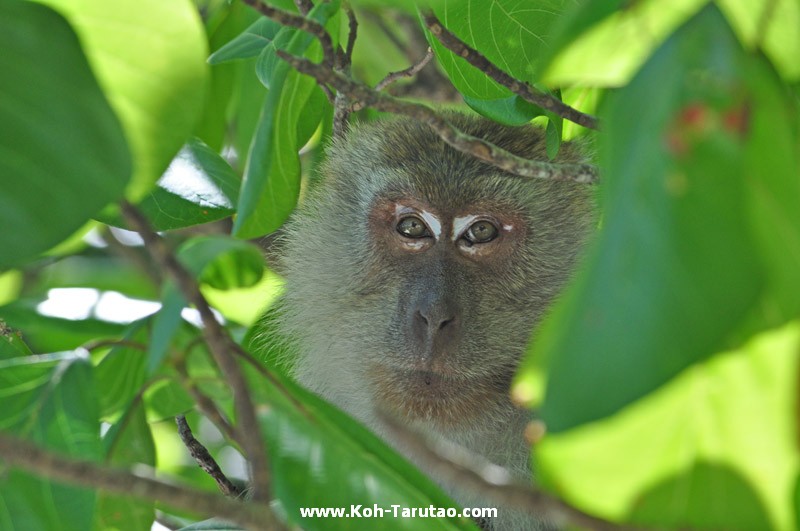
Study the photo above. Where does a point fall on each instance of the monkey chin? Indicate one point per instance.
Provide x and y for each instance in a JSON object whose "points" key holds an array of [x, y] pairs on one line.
{"points": [[442, 401]]}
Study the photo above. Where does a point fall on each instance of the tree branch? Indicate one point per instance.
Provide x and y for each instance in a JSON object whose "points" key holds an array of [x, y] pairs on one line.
{"points": [[547, 102], [204, 459], [581, 173], [302, 23], [23, 454], [222, 347]]}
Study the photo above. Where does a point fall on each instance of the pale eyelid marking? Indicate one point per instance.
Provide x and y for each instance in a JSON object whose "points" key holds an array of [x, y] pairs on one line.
{"points": [[461, 224], [430, 220]]}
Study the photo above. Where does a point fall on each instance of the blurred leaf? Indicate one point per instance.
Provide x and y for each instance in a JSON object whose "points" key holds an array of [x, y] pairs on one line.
{"points": [[729, 421], [50, 400], [675, 268], [121, 373], [165, 325], [54, 334], [103, 273], [198, 187], [128, 442], [770, 25], [576, 19], [512, 34], [222, 262], [272, 175], [11, 343], [64, 154], [248, 44], [157, 101], [165, 400], [245, 305], [611, 51], [10, 284], [319, 453]]}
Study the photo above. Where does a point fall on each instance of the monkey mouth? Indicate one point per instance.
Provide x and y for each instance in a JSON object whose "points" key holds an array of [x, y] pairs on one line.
{"points": [[445, 400]]}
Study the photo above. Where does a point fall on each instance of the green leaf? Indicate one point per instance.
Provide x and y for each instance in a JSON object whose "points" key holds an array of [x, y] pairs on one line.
{"points": [[149, 57], [770, 25], [675, 268], [11, 343], [104, 273], [62, 152], [128, 442], [54, 334], [51, 401], [510, 111], [319, 453], [511, 33], [222, 262], [121, 373], [199, 186], [272, 175], [715, 448], [611, 51], [248, 44]]}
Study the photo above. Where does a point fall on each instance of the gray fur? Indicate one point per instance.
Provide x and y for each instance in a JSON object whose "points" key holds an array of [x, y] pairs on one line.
{"points": [[346, 304]]}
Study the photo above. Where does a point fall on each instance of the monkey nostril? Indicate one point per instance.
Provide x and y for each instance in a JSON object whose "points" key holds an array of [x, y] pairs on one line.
{"points": [[445, 323]]}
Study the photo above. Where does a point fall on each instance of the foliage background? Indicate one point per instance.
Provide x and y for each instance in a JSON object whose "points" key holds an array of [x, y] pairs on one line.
{"points": [[667, 376]]}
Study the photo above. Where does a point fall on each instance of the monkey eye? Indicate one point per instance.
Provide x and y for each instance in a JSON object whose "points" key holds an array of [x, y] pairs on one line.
{"points": [[481, 232], [413, 227]]}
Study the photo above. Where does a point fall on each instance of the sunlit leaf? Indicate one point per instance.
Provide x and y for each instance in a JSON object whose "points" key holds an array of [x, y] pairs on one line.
{"points": [[64, 156], [713, 449], [149, 57], [674, 270], [272, 175]]}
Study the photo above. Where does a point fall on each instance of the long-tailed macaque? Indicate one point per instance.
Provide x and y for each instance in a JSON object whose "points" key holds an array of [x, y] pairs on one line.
{"points": [[415, 275]]}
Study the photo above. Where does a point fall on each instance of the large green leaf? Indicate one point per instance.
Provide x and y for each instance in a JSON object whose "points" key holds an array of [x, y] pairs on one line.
{"points": [[713, 449], [613, 45], [127, 443], [51, 401], [199, 186], [292, 108], [321, 457], [149, 57], [510, 33], [62, 152], [675, 267]]}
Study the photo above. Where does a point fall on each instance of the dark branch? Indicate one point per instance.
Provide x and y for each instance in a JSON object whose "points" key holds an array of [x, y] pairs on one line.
{"points": [[525, 91], [222, 347], [25, 455], [581, 173], [204, 459], [300, 22], [411, 71]]}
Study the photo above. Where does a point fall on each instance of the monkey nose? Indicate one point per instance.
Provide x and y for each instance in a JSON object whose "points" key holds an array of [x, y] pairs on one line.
{"points": [[432, 322]]}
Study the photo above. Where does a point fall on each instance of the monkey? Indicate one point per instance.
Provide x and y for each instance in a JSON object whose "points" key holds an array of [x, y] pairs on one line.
{"points": [[414, 276]]}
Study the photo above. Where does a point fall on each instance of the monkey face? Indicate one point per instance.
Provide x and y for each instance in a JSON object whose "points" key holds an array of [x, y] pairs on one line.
{"points": [[416, 273]]}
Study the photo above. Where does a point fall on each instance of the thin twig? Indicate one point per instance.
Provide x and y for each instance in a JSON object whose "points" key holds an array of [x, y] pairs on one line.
{"points": [[486, 151], [300, 22], [222, 347], [522, 89], [204, 459], [25, 455], [515, 496], [411, 71], [351, 36]]}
